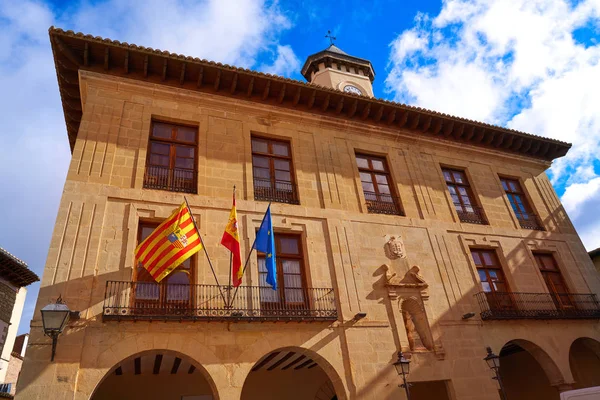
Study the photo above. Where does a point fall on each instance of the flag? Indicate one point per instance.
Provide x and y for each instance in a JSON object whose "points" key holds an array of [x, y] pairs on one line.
{"points": [[170, 244], [231, 240], [265, 242]]}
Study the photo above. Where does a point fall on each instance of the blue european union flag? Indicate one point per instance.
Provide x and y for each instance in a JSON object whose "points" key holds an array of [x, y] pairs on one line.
{"points": [[265, 242]]}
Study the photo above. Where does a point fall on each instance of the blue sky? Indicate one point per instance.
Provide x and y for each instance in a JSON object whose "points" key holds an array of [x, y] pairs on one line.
{"points": [[531, 65]]}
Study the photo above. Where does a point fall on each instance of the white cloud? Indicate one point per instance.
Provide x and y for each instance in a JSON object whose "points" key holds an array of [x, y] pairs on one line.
{"points": [[513, 63], [581, 201], [285, 63], [34, 150]]}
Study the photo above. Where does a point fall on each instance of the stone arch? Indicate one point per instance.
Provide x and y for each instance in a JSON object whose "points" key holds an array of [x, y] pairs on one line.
{"points": [[280, 358], [416, 324], [193, 366], [528, 372], [584, 361]]}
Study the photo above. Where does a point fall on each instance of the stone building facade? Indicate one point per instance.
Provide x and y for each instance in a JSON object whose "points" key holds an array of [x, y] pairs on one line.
{"points": [[406, 230]]}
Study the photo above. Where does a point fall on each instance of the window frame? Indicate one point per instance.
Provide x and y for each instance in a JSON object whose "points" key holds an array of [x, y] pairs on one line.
{"points": [[477, 215], [373, 207], [532, 222], [280, 257], [293, 198], [561, 299], [172, 142], [495, 301]]}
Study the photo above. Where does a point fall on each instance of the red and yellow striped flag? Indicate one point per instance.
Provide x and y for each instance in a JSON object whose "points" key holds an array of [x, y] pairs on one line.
{"points": [[170, 244], [231, 240]]}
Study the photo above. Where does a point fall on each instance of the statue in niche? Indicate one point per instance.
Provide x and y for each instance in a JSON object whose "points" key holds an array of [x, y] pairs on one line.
{"points": [[394, 247], [417, 327]]}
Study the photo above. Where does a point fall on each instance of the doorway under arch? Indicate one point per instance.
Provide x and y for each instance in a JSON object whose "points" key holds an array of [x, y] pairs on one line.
{"points": [[584, 361], [292, 373], [156, 374], [527, 372]]}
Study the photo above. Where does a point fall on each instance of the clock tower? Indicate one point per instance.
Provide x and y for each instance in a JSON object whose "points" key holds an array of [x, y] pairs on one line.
{"points": [[336, 69]]}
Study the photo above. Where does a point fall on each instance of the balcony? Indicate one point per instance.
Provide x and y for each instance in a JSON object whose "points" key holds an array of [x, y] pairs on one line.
{"points": [[538, 306], [378, 203], [277, 191], [161, 302], [171, 179], [471, 214], [529, 221]]}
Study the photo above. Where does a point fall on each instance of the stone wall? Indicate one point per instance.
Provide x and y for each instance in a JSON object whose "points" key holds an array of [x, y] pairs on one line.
{"points": [[103, 201]]}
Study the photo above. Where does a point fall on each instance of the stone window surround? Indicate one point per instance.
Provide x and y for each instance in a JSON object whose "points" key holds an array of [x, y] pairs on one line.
{"points": [[464, 168], [525, 192]]}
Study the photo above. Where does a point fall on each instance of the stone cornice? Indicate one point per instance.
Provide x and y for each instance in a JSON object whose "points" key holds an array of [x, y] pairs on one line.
{"points": [[75, 51]]}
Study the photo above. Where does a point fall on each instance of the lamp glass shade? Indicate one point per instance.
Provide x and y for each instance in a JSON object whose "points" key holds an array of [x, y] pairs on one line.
{"points": [[55, 317], [402, 365], [492, 360]]}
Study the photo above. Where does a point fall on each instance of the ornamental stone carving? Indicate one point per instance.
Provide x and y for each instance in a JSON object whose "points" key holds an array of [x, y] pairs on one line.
{"points": [[394, 247]]}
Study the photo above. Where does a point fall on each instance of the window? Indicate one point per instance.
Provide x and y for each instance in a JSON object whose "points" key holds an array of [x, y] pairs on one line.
{"points": [[492, 279], [272, 171], [377, 185], [519, 203], [291, 291], [172, 294], [171, 162], [462, 197], [554, 280]]}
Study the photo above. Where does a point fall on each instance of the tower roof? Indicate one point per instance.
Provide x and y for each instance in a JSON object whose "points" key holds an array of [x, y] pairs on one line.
{"points": [[335, 53]]}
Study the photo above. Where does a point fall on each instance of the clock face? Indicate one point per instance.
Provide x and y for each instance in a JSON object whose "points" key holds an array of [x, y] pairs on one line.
{"points": [[352, 89]]}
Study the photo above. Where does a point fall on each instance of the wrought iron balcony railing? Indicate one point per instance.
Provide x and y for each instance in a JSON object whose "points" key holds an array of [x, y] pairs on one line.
{"points": [[277, 191], [171, 179], [508, 305], [530, 221], [159, 301], [378, 203], [470, 214]]}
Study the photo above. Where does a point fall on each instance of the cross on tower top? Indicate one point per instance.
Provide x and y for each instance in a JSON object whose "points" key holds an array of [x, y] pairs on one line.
{"points": [[331, 38]]}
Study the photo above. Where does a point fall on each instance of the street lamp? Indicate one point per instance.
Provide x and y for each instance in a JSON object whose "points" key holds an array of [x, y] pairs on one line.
{"points": [[493, 361], [55, 317], [402, 366]]}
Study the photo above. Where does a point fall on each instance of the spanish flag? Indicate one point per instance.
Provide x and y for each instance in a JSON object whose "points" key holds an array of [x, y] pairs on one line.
{"points": [[170, 244], [231, 240]]}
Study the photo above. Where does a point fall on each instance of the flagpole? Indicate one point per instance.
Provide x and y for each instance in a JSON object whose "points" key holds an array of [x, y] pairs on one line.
{"points": [[250, 253], [204, 248]]}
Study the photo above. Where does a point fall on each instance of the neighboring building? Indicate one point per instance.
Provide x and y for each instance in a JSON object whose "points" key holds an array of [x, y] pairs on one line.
{"points": [[595, 256], [397, 228], [14, 277]]}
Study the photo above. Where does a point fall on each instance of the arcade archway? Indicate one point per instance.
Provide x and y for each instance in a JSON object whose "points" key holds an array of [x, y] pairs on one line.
{"points": [[528, 372], [292, 373], [584, 361], [156, 374]]}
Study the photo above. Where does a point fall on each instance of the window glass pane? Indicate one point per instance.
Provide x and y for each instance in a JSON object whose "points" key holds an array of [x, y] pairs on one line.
{"points": [[289, 246], [466, 200], [455, 200], [187, 163], [283, 165], [163, 161], [262, 162], [493, 275], [513, 186], [262, 173], [187, 264], [504, 185], [486, 287], [283, 176], [159, 148], [292, 281], [447, 176], [468, 208], [487, 258], [291, 266], [381, 179], [162, 130], [186, 134], [365, 177], [458, 177], [294, 296], [147, 230], [260, 146], [147, 291], [362, 162], [482, 275], [384, 189], [178, 286], [452, 189], [368, 187], [184, 151], [267, 294], [462, 191], [261, 265], [284, 186], [280, 149], [378, 165]]}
